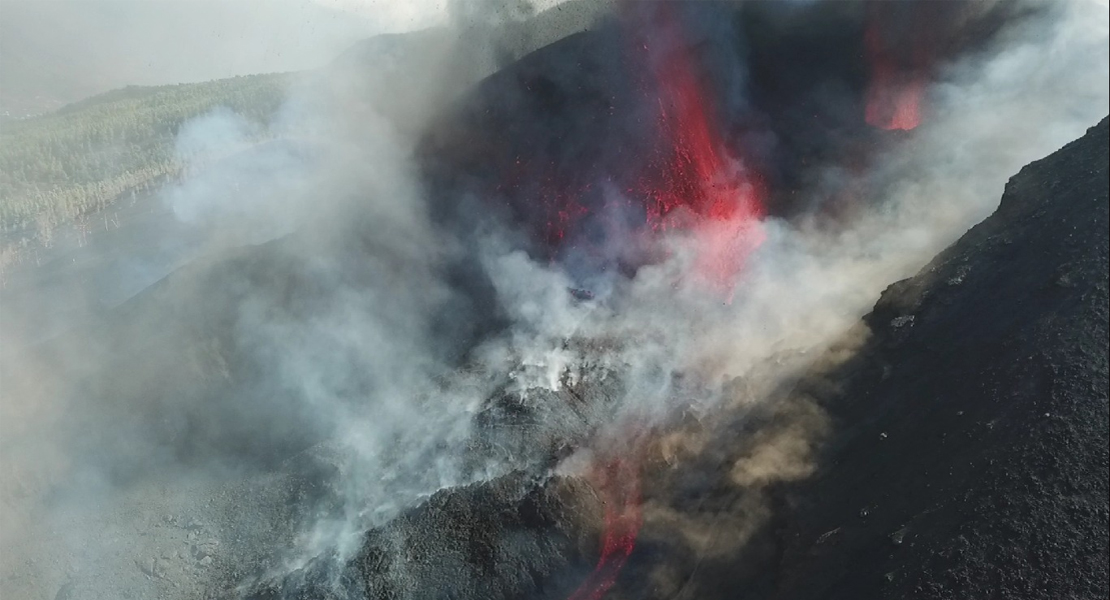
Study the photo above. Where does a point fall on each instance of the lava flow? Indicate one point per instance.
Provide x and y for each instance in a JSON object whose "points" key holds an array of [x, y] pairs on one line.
{"points": [[678, 176], [618, 484], [893, 98]]}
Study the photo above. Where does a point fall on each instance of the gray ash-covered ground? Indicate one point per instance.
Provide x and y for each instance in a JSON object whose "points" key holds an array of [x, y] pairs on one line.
{"points": [[515, 537]]}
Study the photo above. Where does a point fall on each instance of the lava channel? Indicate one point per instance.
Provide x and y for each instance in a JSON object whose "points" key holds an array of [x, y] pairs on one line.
{"points": [[618, 484]]}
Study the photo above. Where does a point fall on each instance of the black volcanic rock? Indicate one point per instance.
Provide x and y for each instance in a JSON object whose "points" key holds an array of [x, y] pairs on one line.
{"points": [[974, 428]]}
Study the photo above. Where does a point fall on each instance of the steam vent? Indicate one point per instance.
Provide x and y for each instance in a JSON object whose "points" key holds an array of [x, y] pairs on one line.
{"points": [[555, 300]]}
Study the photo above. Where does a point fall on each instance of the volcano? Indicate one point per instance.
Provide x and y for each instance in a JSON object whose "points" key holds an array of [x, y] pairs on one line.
{"points": [[609, 326]]}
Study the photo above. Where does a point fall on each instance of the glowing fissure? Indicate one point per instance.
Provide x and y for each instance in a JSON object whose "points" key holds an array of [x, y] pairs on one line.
{"points": [[681, 178], [618, 485]]}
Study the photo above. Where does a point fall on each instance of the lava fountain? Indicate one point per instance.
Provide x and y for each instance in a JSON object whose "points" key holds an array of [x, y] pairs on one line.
{"points": [[695, 182], [899, 72]]}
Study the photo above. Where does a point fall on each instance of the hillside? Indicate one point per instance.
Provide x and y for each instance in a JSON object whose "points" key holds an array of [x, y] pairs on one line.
{"points": [[58, 167], [969, 455]]}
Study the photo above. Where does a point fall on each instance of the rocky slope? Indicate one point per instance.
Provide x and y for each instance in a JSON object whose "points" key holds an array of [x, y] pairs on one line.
{"points": [[970, 459]]}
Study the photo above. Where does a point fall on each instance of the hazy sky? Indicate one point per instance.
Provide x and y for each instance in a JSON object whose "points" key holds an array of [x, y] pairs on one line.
{"points": [[394, 15], [57, 51], [53, 52], [399, 15]]}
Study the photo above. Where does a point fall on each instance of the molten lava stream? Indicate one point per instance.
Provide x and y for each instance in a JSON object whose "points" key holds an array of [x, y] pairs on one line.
{"points": [[619, 487]]}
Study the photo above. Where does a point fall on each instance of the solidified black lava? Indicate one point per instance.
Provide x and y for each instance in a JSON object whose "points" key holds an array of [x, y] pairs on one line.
{"points": [[970, 459]]}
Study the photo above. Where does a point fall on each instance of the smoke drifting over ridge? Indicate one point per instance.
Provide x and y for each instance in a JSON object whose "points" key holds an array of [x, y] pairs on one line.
{"points": [[399, 301]]}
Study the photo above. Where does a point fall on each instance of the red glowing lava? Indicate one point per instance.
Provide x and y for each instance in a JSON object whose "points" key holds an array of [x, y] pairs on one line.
{"points": [[893, 97], [668, 165], [694, 172], [898, 73], [618, 484]]}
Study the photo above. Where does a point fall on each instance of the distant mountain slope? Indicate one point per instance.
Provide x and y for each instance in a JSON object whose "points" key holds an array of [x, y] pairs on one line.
{"points": [[55, 52], [57, 167], [66, 164]]}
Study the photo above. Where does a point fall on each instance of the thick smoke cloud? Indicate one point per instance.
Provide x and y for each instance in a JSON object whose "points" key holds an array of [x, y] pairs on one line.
{"points": [[336, 354]]}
